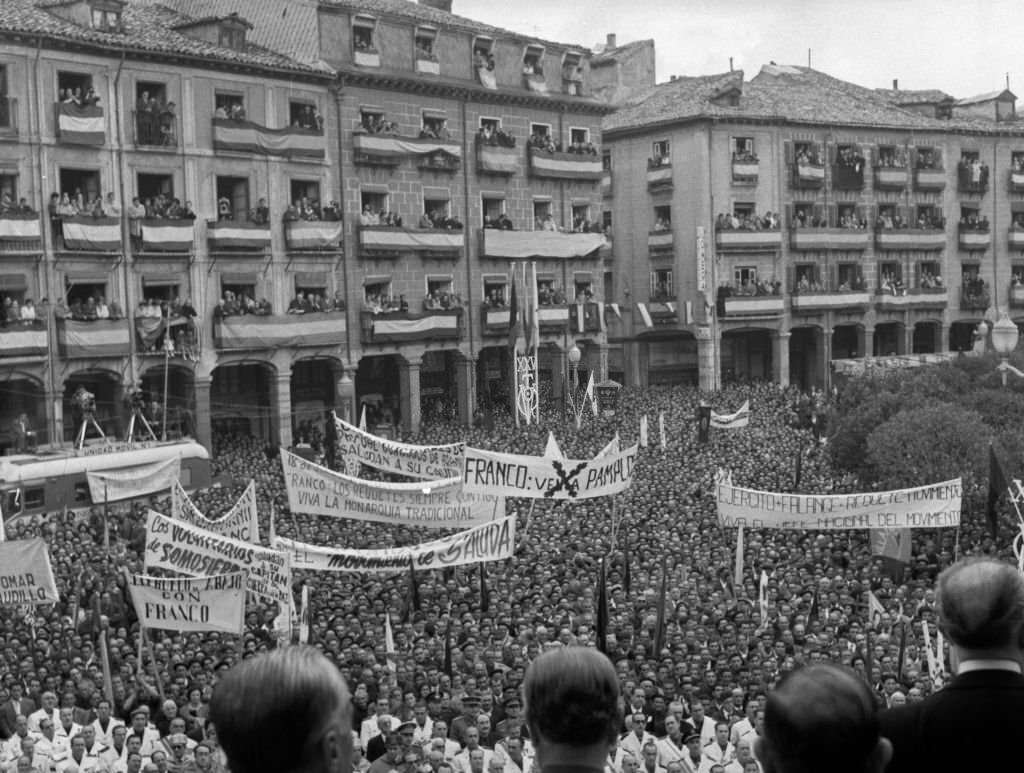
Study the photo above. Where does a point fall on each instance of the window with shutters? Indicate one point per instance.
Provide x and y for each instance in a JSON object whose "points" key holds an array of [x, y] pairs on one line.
{"points": [[929, 217], [81, 185], [849, 277], [232, 198], [662, 153], [972, 172], [363, 33], [662, 287], [229, 104]]}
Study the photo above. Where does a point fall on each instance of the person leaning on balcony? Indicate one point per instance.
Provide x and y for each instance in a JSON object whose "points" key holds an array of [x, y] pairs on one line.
{"points": [[28, 312]]}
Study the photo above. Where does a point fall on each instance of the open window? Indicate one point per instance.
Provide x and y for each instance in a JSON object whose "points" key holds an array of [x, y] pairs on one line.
{"points": [[81, 185], [154, 115], [579, 140], [606, 221], [313, 286], [606, 160], [543, 215], [106, 15], [434, 125], [583, 286], [971, 218], [15, 287], [436, 208], [231, 32], [533, 60], [892, 156], [580, 218], [303, 114], [662, 285], [425, 38], [807, 277], [929, 275], [364, 30], [572, 73], [161, 288], [929, 216], [972, 172], [239, 285], [493, 209], [75, 87], [850, 216], [495, 290], [890, 271], [540, 136], [483, 61], [438, 285], [79, 289], [371, 119], [229, 104], [155, 191], [377, 290], [232, 198], [8, 115], [372, 205], [9, 187], [662, 153], [743, 150], [849, 277], [663, 218], [744, 276], [927, 157]]}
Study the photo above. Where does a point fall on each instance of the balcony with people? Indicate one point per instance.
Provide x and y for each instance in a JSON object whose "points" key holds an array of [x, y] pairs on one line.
{"points": [[930, 290], [500, 238], [896, 228], [974, 230], [1016, 290], [659, 167], [579, 160], [155, 120], [238, 230], [365, 52], [660, 239], [385, 234], [1016, 234], [378, 142], [312, 227], [745, 163], [86, 222], [496, 316], [552, 306], [496, 151], [891, 172], [972, 174], [426, 61], [167, 328], [744, 230], [161, 224], [929, 171], [385, 319], [302, 139], [808, 164], [975, 293], [811, 290], [90, 327], [23, 333], [1017, 172], [20, 231], [848, 165], [837, 227], [750, 296], [313, 318], [485, 63], [533, 70], [79, 116]]}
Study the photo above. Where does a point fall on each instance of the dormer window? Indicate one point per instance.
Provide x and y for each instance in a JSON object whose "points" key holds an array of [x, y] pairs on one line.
{"points": [[363, 28], [533, 61], [231, 32], [106, 16], [572, 73], [483, 61], [425, 39]]}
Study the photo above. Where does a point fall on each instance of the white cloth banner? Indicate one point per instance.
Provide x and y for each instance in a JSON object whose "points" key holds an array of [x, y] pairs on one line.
{"points": [[925, 507], [240, 522], [426, 462], [891, 543], [26, 576], [740, 418], [180, 547], [439, 504], [133, 482], [202, 604], [490, 542], [537, 477]]}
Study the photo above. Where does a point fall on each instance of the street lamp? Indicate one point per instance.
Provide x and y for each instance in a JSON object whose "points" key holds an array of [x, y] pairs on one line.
{"points": [[574, 363], [1004, 340]]}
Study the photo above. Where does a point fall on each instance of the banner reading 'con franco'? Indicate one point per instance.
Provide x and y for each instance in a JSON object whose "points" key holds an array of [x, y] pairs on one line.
{"points": [[540, 477], [426, 462], [179, 547], [924, 507], [439, 504], [490, 542], [200, 604]]}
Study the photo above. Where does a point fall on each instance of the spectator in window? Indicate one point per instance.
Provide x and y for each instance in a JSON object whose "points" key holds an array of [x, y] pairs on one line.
{"points": [[110, 207], [298, 304], [221, 112], [332, 212], [291, 214], [91, 97], [338, 303], [261, 213], [237, 112], [504, 223], [65, 208], [28, 312], [102, 310]]}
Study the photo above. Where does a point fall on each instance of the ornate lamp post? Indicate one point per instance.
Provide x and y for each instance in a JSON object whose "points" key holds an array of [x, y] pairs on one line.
{"points": [[1004, 340]]}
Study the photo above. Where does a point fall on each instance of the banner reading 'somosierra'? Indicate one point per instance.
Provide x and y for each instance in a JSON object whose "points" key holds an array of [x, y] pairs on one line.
{"points": [[490, 542], [538, 477], [438, 504], [924, 507]]}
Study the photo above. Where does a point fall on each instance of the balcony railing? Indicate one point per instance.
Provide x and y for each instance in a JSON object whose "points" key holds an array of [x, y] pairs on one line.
{"points": [[155, 129], [809, 301], [807, 175], [1016, 238], [754, 305], [313, 235], [1017, 297], [386, 241], [829, 238], [847, 178], [930, 179], [975, 300], [390, 150], [398, 327], [919, 298], [891, 178], [98, 338], [742, 240], [167, 235], [428, 66], [586, 317], [151, 335], [970, 180], [745, 171], [910, 239], [659, 175], [20, 233], [237, 236], [1016, 181], [554, 318], [565, 166], [496, 159], [248, 137], [91, 234], [369, 57], [539, 244], [496, 321], [660, 242], [974, 240], [80, 124], [275, 331], [24, 339], [8, 116]]}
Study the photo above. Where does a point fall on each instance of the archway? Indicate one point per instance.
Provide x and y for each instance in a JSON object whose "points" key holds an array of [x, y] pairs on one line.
{"points": [[888, 339], [927, 338], [746, 355], [961, 335], [21, 393], [110, 414], [846, 342], [314, 392], [241, 399], [378, 387], [180, 399]]}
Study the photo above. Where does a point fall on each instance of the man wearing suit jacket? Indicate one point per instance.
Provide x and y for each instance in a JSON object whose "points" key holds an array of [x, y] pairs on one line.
{"points": [[980, 606], [14, 705]]}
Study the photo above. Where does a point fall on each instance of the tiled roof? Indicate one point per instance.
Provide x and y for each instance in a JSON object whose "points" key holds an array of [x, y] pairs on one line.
{"points": [[788, 94], [608, 55], [425, 14], [987, 97], [915, 96], [147, 27]]}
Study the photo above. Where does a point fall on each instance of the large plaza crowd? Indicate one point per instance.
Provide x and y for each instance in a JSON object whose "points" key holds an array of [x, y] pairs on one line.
{"points": [[708, 681]]}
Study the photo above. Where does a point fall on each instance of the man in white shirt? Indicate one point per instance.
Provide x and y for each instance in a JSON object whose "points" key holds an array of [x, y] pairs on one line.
{"points": [[424, 724], [720, 751], [49, 709], [149, 737], [442, 742], [104, 723], [745, 725], [11, 748], [67, 727], [671, 748], [702, 723], [370, 728], [634, 740], [463, 762], [516, 758]]}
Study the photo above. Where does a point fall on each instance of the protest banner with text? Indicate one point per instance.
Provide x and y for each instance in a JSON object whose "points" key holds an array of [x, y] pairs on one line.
{"points": [[439, 504], [925, 507], [133, 482], [490, 542], [538, 477], [26, 576], [180, 547], [240, 522], [426, 462], [202, 604]]}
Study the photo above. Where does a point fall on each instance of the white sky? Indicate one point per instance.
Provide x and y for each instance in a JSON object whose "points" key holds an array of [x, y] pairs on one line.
{"points": [[963, 48]]}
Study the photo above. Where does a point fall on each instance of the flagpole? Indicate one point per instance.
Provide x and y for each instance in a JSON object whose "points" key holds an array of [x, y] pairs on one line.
{"points": [[106, 520]]}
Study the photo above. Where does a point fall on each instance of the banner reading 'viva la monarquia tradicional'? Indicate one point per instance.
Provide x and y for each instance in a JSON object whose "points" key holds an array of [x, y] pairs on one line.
{"points": [[426, 462], [931, 506], [439, 504]]}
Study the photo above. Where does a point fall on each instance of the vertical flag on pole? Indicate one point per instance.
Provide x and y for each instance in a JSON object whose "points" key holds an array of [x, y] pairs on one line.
{"points": [[362, 419], [448, 648], [590, 396], [643, 431], [737, 574], [762, 599], [304, 617], [271, 532], [661, 429], [106, 521], [485, 596], [389, 644], [602, 610], [627, 575], [997, 485], [3, 528], [659, 628]]}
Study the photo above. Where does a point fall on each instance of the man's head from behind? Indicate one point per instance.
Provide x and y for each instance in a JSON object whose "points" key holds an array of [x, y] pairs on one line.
{"points": [[819, 717], [287, 711], [981, 605]]}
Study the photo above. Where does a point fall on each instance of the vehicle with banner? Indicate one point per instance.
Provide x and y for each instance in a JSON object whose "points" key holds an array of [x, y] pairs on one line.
{"points": [[48, 481]]}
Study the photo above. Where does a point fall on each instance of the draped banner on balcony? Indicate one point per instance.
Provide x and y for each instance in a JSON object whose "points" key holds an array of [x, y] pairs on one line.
{"points": [[400, 326], [655, 312], [149, 329], [386, 146], [19, 227], [167, 235], [249, 137], [254, 332], [229, 234], [80, 124], [572, 166], [539, 244], [409, 239], [497, 159], [99, 234], [100, 338], [312, 234], [23, 340]]}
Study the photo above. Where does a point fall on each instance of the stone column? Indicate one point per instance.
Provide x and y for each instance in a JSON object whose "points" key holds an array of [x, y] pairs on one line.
{"points": [[706, 358], [201, 412], [866, 344], [465, 382], [281, 405], [602, 364], [780, 358], [54, 434], [825, 358], [559, 376], [942, 344], [907, 338], [409, 390]]}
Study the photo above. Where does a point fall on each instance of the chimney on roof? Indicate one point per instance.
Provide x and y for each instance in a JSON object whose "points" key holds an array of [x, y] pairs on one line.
{"points": [[441, 5], [730, 64], [672, 78], [610, 40], [895, 84]]}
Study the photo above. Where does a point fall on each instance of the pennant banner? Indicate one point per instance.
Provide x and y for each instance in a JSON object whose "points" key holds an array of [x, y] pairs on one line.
{"points": [[133, 482], [427, 462], [26, 576], [541, 478], [732, 420], [240, 522], [440, 504], [490, 542], [203, 604], [180, 547], [930, 507]]}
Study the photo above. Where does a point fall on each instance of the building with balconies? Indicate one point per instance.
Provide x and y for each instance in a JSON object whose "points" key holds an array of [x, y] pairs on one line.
{"points": [[805, 219]]}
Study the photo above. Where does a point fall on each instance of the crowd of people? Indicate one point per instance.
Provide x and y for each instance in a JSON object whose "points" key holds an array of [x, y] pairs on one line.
{"points": [[747, 221], [22, 313], [893, 219], [492, 134], [749, 287], [973, 172], [232, 304], [313, 302], [154, 120], [541, 140], [87, 309], [695, 703], [258, 215], [972, 222], [306, 208], [10, 208]]}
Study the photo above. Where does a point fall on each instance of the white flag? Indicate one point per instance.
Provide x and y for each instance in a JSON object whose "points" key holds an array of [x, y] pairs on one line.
{"points": [[3, 526], [875, 609], [929, 653], [551, 450], [590, 394], [737, 575], [304, 617], [762, 599], [661, 429], [389, 644], [643, 431], [362, 419]]}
